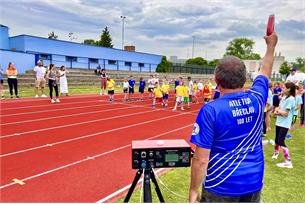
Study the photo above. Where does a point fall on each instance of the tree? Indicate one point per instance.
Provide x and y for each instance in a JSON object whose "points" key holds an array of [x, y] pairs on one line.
{"points": [[164, 65], [299, 64], [285, 69], [213, 63], [52, 36], [105, 39], [197, 61], [242, 48], [89, 42]]}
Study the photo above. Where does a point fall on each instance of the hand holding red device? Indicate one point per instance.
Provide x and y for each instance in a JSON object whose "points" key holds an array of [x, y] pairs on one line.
{"points": [[270, 25]]}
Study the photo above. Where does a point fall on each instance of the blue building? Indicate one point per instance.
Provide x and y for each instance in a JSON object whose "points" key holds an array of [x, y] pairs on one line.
{"points": [[26, 50]]}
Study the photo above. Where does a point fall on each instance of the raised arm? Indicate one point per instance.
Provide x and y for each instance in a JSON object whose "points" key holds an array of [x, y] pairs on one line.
{"points": [[267, 62]]}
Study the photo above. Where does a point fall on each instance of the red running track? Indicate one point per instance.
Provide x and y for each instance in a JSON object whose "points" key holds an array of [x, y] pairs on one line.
{"points": [[78, 150]]}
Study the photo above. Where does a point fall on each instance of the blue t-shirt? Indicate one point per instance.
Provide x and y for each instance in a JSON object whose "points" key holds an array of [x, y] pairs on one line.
{"points": [[298, 101], [131, 83], [231, 128], [286, 103], [177, 83], [142, 85], [276, 91]]}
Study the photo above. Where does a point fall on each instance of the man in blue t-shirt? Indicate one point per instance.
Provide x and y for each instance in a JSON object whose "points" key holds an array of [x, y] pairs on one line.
{"points": [[227, 134]]}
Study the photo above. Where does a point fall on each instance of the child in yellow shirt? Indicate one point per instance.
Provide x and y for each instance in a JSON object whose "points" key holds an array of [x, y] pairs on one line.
{"points": [[195, 92], [165, 90], [110, 86], [158, 94], [179, 96], [186, 98]]}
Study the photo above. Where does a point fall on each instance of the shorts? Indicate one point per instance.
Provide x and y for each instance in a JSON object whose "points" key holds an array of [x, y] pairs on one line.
{"points": [[294, 119], [131, 90], [110, 92], [125, 90], [165, 96], [141, 90], [159, 99], [103, 83], [40, 82], [179, 98], [1, 81], [276, 102], [186, 99], [150, 89]]}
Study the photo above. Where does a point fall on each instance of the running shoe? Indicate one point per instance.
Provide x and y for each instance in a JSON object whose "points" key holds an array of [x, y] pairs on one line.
{"points": [[43, 96], [57, 100], [275, 156], [286, 164]]}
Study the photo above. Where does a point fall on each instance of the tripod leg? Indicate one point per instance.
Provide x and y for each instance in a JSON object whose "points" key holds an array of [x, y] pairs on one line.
{"points": [[147, 189], [133, 185], [153, 178]]}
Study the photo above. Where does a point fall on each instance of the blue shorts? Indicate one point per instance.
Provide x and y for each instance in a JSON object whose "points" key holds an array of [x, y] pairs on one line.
{"points": [[131, 90], [165, 96]]}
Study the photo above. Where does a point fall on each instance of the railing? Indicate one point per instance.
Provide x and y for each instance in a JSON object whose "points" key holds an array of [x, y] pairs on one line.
{"points": [[193, 69]]}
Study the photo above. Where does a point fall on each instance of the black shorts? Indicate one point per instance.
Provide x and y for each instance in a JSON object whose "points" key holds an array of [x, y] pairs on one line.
{"points": [[141, 90], [1, 81], [125, 90], [150, 89], [131, 90], [110, 92], [294, 119], [280, 135]]}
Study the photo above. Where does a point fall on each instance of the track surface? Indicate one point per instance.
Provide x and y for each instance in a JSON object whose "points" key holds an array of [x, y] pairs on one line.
{"points": [[78, 150]]}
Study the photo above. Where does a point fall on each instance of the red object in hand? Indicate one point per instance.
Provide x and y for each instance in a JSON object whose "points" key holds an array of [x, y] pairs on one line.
{"points": [[270, 25]]}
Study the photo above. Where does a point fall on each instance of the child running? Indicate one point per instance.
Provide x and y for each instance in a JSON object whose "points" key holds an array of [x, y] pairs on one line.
{"points": [[283, 122], [158, 94], [110, 85], [142, 85], [179, 96], [165, 90], [195, 92], [51, 75], [125, 90], [151, 86]]}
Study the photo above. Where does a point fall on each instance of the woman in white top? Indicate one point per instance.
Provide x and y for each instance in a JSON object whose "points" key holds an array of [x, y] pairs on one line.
{"points": [[63, 81]]}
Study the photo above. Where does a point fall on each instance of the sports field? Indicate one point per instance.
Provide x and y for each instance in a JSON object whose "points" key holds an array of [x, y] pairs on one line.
{"points": [[79, 150]]}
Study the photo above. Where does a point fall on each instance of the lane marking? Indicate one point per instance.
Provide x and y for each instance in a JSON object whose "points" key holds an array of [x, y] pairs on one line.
{"points": [[87, 136], [74, 124], [86, 159], [17, 181]]}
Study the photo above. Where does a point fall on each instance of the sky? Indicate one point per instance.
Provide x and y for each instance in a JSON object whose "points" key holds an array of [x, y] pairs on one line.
{"points": [[165, 27]]}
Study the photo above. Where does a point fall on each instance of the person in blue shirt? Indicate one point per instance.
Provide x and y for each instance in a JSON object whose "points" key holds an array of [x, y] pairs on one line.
{"points": [[277, 91], [283, 123], [227, 134], [142, 87], [131, 82]]}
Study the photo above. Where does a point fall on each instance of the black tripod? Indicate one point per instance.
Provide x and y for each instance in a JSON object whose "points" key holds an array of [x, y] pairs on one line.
{"points": [[148, 174]]}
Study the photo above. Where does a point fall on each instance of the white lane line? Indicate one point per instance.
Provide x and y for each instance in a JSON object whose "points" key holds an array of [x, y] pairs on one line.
{"points": [[51, 105], [74, 124], [87, 159], [64, 116], [118, 192], [87, 136]]}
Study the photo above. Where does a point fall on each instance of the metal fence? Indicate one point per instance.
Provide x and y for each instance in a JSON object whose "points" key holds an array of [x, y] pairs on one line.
{"points": [[192, 69]]}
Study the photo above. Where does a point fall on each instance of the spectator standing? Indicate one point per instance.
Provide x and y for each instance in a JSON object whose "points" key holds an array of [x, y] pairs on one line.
{"points": [[40, 81], [12, 80]]}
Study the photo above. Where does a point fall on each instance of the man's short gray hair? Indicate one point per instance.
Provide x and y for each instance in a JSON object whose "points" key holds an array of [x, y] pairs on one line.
{"points": [[230, 73]]}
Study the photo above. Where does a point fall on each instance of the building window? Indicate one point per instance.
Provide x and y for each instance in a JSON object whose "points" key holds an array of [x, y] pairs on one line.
{"points": [[141, 64], [93, 60], [128, 64], [71, 59], [44, 57], [113, 62]]}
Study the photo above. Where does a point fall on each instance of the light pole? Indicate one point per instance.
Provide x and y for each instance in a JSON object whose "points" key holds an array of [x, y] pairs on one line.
{"points": [[193, 47], [123, 19]]}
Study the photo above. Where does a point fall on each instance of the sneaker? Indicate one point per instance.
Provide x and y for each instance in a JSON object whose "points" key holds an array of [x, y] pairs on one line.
{"points": [[288, 136], [286, 164], [174, 109], [57, 100], [264, 135], [17, 96], [272, 142], [275, 156], [182, 108], [12, 97], [43, 96], [36, 96], [53, 101]]}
